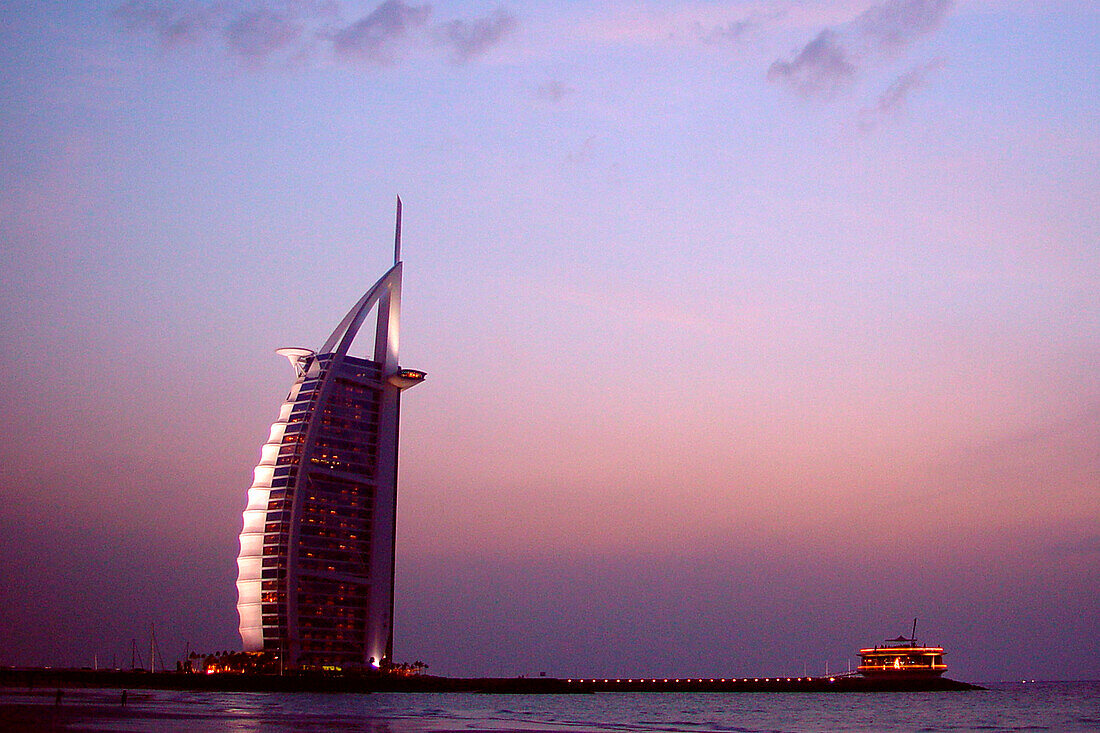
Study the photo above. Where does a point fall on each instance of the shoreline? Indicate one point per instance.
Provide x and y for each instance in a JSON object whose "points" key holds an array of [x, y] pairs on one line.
{"points": [[83, 710]]}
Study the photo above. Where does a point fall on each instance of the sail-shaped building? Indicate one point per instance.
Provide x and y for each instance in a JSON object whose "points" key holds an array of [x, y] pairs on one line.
{"points": [[316, 565]]}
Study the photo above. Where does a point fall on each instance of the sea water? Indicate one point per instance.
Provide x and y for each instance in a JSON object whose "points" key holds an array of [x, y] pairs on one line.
{"points": [[1059, 707]]}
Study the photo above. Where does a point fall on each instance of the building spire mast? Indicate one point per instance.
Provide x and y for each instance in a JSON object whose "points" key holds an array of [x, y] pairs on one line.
{"points": [[397, 235]]}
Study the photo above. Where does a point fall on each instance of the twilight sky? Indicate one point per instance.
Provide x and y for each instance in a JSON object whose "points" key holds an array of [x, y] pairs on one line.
{"points": [[753, 329]]}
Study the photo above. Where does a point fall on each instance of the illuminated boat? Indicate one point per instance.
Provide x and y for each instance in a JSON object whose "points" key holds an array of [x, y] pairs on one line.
{"points": [[902, 658]]}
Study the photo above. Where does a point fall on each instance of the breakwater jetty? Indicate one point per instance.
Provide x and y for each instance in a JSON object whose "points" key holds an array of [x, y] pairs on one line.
{"points": [[40, 678]]}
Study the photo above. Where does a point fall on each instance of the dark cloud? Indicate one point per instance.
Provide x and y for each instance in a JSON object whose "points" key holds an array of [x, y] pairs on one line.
{"points": [[833, 59], [732, 31], [891, 101], [894, 96], [373, 39], [258, 34], [316, 8], [468, 40], [899, 22], [553, 91], [173, 24], [262, 31], [821, 68], [728, 33]]}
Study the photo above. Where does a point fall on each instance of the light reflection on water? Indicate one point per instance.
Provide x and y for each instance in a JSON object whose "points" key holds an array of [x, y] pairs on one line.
{"points": [[1054, 707]]}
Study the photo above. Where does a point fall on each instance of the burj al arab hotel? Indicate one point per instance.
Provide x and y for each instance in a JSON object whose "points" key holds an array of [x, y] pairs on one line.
{"points": [[316, 566]]}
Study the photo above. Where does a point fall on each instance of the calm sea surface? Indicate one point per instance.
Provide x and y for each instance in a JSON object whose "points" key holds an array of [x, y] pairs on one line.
{"points": [[1062, 707]]}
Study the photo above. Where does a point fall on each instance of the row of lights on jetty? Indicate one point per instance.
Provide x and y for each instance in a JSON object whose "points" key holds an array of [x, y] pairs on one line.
{"points": [[734, 679]]}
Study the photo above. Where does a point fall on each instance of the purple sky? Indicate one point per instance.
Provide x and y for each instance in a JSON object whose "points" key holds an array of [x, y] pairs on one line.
{"points": [[753, 329]]}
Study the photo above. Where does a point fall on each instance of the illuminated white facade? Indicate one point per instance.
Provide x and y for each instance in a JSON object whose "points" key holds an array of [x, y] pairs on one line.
{"points": [[316, 566]]}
